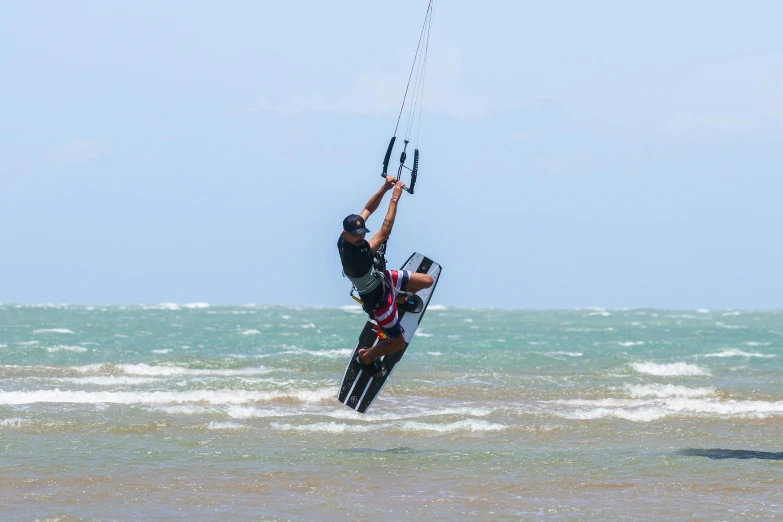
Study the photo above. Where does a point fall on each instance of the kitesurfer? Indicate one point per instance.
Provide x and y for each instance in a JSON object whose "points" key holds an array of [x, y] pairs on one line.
{"points": [[378, 288]]}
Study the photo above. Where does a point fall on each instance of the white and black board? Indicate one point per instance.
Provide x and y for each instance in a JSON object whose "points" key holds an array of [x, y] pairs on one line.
{"points": [[358, 389]]}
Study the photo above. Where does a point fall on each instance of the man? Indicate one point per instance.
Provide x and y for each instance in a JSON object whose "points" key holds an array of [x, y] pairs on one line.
{"points": [[377, 289]]}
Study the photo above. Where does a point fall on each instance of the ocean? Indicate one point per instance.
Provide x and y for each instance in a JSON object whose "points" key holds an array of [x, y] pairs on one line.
{"points": [[203, 412]]}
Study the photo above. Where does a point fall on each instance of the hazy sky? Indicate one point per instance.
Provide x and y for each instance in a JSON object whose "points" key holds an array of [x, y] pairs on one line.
{"points": [[573, 153]]}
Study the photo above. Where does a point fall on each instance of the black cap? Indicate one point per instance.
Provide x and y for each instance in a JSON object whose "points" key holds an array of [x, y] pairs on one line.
{"points": [[354, 225]]}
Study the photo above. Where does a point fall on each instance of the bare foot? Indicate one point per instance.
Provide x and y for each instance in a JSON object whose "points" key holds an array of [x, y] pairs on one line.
{"points": [[365, 356]]}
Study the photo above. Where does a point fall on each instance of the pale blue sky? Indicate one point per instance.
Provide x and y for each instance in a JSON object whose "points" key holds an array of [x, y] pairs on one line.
{"points": [[573, 153]]}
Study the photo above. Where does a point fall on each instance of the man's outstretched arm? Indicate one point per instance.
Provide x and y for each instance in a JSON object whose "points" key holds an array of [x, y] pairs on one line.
{"points": [[385, 231], [372, 205]]}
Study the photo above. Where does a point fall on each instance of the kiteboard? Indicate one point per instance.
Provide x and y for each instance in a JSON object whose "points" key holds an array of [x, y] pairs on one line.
{"points": [[359, 389]]}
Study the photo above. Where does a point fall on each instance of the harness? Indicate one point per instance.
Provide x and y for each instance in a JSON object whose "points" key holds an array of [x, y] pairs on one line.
{"points": [[370, 281], [379, 266], [366, 283]]}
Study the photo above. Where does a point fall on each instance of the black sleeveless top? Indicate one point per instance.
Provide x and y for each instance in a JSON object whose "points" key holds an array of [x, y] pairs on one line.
{"points": [[357, 261]]}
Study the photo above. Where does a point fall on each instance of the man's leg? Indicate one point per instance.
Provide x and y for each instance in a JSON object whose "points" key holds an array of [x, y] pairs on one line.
{"points": [[387, 318], [418, 282], [407, 281], [390, 345]]}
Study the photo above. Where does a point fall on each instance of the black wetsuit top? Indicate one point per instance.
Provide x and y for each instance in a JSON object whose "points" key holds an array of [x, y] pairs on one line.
{"points": [[357, 261]]}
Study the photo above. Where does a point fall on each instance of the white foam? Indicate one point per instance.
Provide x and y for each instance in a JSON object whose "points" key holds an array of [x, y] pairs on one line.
{"points": [[147, 369], [308, 325], [163, 352], [163, 306], [338, 353], [163, 371], [730, 326], [637, 415], [251, 332], [214, 425], [420, 333], [88, 368], [249, 412], [352, 309], [703, 311], [336, 427], [567, 354], [27, 343], [662, 391], [12, 423], [185, 409], [434, 353], [653, 409], [195, 306], [330, 354], [739, 353], [375, 417], [437, 307], [601, 403], [91, 368], [162, 397], [108, 380], [175, 306], [328, 427], [52, 330], [463, 425], [757, 409], [631, 343], [3, 345], [62, 347], [670, 370], [732, 313], [755, 343]]}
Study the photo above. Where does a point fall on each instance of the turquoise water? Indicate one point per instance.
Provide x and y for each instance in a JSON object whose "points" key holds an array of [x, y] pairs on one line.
{"points": [[205, 412]]}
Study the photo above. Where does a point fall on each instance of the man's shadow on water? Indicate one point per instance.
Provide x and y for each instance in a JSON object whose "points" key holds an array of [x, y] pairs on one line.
{"points": [[717, 453]]}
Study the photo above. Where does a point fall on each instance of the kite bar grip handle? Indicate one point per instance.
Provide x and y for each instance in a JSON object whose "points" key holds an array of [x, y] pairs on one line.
{"points": [[415, 170], [387, 156]]}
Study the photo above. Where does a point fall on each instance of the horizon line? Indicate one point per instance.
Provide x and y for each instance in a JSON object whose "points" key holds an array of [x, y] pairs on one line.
{"points": [[204, 305]]}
